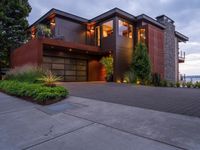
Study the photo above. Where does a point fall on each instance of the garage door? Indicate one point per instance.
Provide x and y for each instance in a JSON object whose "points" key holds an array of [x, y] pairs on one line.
{"points": [[71, 69]]}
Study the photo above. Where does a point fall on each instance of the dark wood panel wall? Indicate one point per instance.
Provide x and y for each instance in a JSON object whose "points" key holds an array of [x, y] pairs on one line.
{"points": [[123, 52], [72, 31]]}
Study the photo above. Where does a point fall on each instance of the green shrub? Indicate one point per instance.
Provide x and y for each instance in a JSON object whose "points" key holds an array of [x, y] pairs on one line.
{"points": [[196, 85], [26, 73], [183, 84], [178, 84], [164, 83], [171, 84], [189, 84], [129, 77], [156, 79], [37, 92]]}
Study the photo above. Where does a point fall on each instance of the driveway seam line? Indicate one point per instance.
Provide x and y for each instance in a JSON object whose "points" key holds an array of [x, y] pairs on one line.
{"points": [[39, 143], [127, 132]]}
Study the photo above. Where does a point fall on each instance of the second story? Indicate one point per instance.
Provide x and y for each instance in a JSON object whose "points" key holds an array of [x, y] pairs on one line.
{"points": [[109, 30]]}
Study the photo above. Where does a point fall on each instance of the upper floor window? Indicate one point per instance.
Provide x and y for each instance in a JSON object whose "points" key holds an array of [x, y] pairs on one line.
{"points": [[125, 29], [107, 28], [141, 35], [97, 36]]}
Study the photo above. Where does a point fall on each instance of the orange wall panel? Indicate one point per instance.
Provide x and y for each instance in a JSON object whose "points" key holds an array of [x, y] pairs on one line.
{"points": [[156, 49]]}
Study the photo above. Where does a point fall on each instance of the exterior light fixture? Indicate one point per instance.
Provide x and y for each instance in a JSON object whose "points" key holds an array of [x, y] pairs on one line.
{"points": [[118, 81], [124, 81], [70, 49], [52, 22]]}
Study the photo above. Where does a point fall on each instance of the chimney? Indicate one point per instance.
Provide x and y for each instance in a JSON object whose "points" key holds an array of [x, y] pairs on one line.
{"points": [[164, 20]]}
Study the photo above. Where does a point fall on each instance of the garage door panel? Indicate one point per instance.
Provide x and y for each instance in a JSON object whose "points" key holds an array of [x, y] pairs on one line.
{"points": [[58, 66], [70, 78], [58, 72], [83, 68], [81, 78], [72, 73], [71, 69]]}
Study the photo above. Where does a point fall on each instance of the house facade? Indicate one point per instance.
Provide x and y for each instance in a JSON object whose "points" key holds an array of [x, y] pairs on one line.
{"points": [[78, 44]]}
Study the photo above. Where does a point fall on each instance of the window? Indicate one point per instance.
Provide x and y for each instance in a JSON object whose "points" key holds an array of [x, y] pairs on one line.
{"points": [[97, 36], [141, 35], [125, 29], [107, 28]]}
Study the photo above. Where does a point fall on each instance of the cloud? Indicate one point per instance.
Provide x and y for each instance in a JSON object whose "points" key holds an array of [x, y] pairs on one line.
{"points": [[185, 13]]}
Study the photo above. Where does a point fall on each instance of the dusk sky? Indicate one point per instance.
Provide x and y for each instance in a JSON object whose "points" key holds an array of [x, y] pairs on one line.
{"points": [[185, 13]]}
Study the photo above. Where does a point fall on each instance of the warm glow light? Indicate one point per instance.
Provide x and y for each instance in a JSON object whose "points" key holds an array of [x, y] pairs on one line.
{"points": [[138, 82], [124, 81], [118, 81], [70, 49]]}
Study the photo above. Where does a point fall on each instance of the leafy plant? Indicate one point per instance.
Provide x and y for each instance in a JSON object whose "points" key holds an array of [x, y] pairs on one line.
{"points": [[27, 73], [43, 31], [107, 62], [38, 92], [197, 84], [183, 84], [171, 84], [49, 79], [141, 63], [189, 84], [164, 83], [129, 77], [178, 84]]}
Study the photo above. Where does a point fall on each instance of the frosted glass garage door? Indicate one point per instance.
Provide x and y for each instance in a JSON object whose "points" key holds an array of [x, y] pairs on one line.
{"points": [[70, 69]]}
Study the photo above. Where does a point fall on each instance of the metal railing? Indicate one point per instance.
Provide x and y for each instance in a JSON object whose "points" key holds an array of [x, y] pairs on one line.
{"points": [[181, 56]]}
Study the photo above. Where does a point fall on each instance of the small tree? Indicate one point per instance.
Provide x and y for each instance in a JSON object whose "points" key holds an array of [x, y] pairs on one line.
{"points": [[107, 62], [141, 64]]}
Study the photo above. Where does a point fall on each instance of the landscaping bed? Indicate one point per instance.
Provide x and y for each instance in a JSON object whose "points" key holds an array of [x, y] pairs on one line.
{"points": [[34, 92]]}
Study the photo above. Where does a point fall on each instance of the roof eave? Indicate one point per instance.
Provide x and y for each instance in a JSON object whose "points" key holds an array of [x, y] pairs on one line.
{"points": [[151, 20], [58, 13], [181, 37]]}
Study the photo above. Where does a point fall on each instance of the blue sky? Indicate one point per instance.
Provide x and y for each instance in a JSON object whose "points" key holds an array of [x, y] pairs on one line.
{"points": [[185, 13]]}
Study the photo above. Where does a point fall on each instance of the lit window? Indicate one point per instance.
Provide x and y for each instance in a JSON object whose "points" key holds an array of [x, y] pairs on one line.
{"points": [[125, 29], [141, 35], [107, 28], [97, 36]]}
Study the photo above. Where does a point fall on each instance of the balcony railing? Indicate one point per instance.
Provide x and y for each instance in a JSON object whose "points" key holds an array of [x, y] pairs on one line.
{"points": [[181, 57]]}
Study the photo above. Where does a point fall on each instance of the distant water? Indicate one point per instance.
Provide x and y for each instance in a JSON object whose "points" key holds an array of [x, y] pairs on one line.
{"points": [[188, 79]]}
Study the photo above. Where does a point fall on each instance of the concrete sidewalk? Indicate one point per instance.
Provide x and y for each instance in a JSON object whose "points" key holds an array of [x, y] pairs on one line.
{"points": [[84, 124]]}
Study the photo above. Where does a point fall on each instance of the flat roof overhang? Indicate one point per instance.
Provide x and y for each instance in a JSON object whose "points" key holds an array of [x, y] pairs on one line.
{"points": [[71, 46], [181, 37]]}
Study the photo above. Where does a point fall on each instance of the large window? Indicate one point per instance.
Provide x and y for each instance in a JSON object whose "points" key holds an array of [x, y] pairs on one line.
{"points": [[107, 28], [97, 36], [125, 29], [141, 35]]}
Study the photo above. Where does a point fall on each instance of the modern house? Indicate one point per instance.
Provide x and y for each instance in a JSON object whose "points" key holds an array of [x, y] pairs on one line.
{"points": [[78, 44]]}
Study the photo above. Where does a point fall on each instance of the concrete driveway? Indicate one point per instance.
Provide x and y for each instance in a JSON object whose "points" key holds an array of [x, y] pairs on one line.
{"points": [[174, 100], [85, 124]]}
